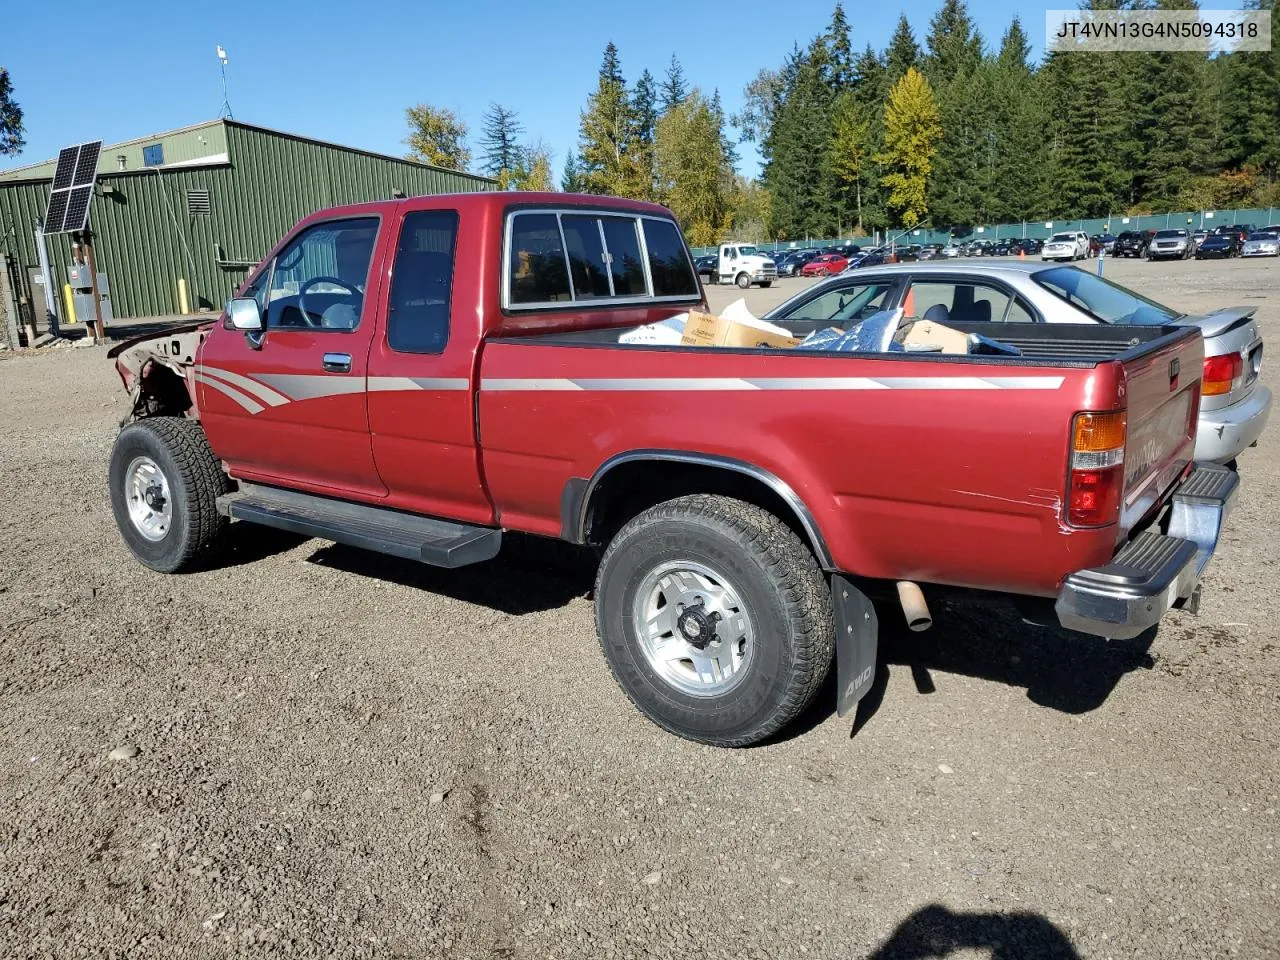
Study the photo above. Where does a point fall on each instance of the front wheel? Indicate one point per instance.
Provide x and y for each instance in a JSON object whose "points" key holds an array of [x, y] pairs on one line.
{"points": [[715, 619], [743, 281], [165, 482]]}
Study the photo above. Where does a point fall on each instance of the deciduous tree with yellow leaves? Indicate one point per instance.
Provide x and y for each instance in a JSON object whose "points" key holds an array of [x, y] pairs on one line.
{"points": [[912, 131]]}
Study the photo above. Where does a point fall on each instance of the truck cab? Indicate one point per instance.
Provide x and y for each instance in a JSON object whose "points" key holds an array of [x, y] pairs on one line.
{"points": [[742, 264]]}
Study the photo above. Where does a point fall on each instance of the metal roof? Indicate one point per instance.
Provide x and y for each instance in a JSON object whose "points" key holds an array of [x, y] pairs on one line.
{"points": [[195, 145]]}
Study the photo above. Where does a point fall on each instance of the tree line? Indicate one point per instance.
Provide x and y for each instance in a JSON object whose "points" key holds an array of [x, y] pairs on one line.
{"points": [[951, 130]]}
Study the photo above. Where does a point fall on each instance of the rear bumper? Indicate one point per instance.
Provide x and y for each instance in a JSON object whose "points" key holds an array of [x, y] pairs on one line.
{"points": [[1225, 433], [1154, 571]]}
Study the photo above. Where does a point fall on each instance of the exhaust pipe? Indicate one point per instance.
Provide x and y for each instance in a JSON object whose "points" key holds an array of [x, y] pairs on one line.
{"points": [[913, 606]]}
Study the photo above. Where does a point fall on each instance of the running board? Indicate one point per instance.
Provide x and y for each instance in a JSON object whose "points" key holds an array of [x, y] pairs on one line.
{"points": [[440, 543]]}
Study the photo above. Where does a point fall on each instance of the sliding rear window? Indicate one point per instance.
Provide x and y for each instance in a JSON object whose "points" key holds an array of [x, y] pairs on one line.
{"points": [[558, 256]]}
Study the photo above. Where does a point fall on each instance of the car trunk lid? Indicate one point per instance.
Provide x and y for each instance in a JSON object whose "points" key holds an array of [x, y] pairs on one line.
{"points": [[1229, 333]]}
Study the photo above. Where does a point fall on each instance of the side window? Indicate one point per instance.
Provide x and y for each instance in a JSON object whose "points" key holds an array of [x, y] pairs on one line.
{"points": [[954, 302], [320, 278], [845, 305], [669, 264], [421, 282], [537, 266]]}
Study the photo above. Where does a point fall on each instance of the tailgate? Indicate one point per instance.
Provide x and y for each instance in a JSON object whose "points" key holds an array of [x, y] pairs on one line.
{"points": [[1162, 390]]}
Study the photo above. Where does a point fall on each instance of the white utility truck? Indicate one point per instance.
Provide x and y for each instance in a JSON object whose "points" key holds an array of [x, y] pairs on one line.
{"points": [[743, 264]]}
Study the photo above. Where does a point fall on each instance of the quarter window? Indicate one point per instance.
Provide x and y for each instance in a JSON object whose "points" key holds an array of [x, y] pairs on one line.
{"points": [[669, 264], [421, 282], [586, 257]]}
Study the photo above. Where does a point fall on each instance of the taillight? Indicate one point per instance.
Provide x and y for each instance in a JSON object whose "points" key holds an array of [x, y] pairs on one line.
{"points": [[1097, 469], [1222, 374]]}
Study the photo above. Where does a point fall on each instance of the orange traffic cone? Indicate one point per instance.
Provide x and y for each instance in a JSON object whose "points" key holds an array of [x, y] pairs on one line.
{"points": [[1022, 254]]}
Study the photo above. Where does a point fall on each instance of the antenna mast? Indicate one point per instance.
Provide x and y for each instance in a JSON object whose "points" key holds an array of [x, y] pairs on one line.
{"points": [[226, 103]]}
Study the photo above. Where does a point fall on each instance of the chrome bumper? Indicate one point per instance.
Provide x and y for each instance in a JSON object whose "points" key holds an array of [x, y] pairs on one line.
{"points": [[1154, 571]]}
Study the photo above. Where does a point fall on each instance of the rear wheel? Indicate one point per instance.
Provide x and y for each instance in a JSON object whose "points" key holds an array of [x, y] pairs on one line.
{"points": [[165, 482], [715, 619]]}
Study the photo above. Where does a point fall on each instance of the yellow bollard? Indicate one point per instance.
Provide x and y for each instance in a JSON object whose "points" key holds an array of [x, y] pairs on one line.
{"points": [[70, 301], [183, 305]]}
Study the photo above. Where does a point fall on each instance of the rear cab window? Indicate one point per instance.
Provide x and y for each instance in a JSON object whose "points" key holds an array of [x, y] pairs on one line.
{"points": [[578, 255]]}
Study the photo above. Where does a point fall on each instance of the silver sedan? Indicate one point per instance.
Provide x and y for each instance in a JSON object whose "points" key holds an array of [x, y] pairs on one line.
{"points": [[1234, 406]]}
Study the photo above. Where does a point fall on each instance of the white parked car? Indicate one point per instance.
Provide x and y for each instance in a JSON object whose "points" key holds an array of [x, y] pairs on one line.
{"points": [[1263, 243], [1066, 246]]}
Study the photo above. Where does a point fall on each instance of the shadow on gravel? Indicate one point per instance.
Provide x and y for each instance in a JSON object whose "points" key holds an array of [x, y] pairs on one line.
{"points": [[935, 931], [249, 542], [1061, 670], [530, 575]]}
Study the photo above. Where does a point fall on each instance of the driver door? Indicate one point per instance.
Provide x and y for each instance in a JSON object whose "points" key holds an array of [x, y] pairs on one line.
{"points": [[288, 405]]}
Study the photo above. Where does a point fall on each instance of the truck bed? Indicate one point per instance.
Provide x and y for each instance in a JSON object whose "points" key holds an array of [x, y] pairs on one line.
{"points": [[1041, 344], [928, 467]]}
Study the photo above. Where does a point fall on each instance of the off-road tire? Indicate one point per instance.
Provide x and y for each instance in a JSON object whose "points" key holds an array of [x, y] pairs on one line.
{"points": [[779, 583], [195, 479]]}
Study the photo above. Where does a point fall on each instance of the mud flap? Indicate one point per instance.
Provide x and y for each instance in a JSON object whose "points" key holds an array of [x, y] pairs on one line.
{"points": [[857, 637]]}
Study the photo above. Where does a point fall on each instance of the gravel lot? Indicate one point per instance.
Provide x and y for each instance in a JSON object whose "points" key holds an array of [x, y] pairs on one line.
{"points": [[344, 756]]}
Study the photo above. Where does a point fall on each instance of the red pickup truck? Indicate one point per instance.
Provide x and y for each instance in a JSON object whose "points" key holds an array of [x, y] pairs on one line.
{"points": [[418, 376]]}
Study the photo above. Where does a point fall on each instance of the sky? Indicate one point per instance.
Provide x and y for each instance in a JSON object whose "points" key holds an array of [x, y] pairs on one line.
{"points": [[345, 72]]}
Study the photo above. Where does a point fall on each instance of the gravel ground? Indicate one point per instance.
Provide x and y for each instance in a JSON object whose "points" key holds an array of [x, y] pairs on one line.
{"points": [[339, 755]]}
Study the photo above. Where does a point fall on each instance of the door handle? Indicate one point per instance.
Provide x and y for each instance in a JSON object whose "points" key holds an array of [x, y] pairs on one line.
{"points": [[337, 362]]}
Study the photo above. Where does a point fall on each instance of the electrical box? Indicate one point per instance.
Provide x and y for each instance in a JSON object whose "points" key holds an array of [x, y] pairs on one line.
{"points": [[79, 278]]}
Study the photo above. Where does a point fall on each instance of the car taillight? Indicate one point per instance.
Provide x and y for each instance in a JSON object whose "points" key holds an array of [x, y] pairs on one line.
{"points": [[1097, 469], [1222, 374]]}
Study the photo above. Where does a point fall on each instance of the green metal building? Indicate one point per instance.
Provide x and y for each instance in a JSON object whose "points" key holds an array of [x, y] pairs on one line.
{"points": [[204, 204]]}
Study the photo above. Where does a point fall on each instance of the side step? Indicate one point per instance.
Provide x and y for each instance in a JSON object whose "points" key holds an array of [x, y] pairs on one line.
{"points": [[440, 543]]}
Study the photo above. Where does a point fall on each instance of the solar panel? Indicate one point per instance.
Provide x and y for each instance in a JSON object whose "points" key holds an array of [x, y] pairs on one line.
{"points": [[64, 176], [72, 189], [87, 163], [56, 215], [78, 208]]}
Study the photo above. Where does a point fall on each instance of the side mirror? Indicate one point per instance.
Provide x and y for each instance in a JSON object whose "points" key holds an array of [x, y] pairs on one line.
{"points": [[244, 314]]}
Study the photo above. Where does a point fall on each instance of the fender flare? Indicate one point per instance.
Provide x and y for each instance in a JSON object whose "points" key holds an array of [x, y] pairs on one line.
{"points": [[575, 502]]}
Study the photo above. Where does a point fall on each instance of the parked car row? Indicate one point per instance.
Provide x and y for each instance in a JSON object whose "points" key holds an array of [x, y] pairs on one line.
{"points": [[1235, 240]]}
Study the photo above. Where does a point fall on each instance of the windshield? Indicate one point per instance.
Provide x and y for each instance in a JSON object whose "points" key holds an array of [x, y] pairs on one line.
{"points": [[1062, 236], [1261, 235], [1170, 234], [1102, 299], [747, 251]]}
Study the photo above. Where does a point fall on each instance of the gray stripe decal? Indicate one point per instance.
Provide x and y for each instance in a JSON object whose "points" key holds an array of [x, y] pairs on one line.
{"points": [[771, 383], [249, 404], [381, 384], [261, 391], [306, 386]]}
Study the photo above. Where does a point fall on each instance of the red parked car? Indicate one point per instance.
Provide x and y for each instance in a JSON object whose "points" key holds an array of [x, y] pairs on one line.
{"points": [[825, 265], [420, 377]]}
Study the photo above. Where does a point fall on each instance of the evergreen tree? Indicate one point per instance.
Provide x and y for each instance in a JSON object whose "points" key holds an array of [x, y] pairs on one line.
{"points": [[571, 180], [851, 152], [606, 136], [1248, 104], [674, 86], [1019, 123], [727, 146], [500, 144], [533, 171], [954, 46], [644, 115], [869, 76], [903, 52], [912, 129], [870, 92], [840, 50], [11, 139], [798, 173], [1015, 49]]}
